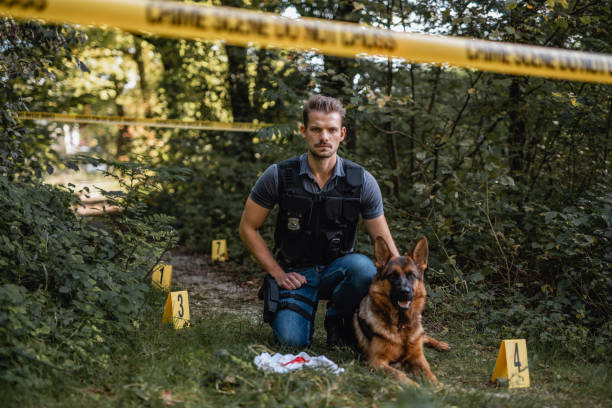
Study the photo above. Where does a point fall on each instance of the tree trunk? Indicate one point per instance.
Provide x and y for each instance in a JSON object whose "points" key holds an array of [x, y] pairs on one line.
{"points": [[412, 124], [392, 138], [238, 78], [604, 157], [123, 135], [138, 57], [517, 131]]}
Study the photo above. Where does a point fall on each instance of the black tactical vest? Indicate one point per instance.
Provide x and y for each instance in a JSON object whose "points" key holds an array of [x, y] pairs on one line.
{"points": [[315, 229]]}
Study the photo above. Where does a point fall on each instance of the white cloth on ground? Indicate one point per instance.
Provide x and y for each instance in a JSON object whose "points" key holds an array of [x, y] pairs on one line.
{"points": [[284, 363]]}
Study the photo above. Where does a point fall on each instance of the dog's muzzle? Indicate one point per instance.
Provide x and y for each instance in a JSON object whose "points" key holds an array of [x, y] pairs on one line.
{"points": [[403, 298]]}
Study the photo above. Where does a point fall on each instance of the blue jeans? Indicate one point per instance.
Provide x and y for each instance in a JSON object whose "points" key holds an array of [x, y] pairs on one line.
{"points": [[344, 282]]}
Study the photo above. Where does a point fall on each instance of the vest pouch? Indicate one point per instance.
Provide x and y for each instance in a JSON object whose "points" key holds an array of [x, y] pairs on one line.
{"points": [[293, 227], [296, 205], [333, 209], [334, 243], [295, 243], [351, 207]]}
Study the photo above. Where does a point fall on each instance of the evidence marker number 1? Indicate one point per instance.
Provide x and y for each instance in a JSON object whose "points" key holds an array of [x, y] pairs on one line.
{"points": [[219, 250], [162, 276]]}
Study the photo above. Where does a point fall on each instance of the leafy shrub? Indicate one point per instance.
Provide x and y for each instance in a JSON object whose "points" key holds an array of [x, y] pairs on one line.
{"points": [[538, 272], [68, 284], [30, 54]]}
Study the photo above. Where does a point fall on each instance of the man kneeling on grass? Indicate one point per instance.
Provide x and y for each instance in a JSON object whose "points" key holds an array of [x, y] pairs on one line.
{"points": [[320, 197]]}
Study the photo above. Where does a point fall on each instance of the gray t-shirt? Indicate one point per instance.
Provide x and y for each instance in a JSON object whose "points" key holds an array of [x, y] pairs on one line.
{"points": [[265, 191]]}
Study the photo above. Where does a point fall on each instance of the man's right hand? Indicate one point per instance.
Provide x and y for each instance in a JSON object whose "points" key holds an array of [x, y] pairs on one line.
{"points": [[290, 281]]}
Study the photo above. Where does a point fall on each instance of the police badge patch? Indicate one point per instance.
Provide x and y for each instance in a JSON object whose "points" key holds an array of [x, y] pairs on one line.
{"points": [[293, 224]]}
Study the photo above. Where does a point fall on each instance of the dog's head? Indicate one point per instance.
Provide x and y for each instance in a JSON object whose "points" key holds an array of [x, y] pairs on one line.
{"points": [[404, 273]]}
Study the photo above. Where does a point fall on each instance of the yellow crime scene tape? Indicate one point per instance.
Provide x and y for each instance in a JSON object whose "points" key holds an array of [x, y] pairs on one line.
{"points": [[160, 123], [243, 27]]}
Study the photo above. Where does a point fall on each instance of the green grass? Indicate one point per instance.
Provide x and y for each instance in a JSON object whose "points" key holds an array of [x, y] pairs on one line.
{"points": [[211, 364]]}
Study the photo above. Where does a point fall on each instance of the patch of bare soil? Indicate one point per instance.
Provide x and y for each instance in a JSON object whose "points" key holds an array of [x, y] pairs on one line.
{"points": [[215, 286], [94, 203]]}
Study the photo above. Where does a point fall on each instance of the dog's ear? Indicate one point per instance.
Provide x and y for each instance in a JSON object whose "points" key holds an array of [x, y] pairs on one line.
{"points": [[381, 252], [420, 254]]}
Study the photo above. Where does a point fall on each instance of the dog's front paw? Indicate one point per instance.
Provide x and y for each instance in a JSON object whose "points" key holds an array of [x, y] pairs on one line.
{"points": [[444, 346]]}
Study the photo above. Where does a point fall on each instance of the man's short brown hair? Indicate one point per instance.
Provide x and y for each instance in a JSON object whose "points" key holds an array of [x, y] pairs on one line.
{"points": [[320, 103]]}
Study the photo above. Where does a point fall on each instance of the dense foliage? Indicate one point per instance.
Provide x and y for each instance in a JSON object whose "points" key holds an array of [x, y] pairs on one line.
{"points": [[69, 285]]}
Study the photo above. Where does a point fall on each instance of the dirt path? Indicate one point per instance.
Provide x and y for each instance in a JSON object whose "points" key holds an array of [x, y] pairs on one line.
{"points": [[214, 286], [94, 203]]}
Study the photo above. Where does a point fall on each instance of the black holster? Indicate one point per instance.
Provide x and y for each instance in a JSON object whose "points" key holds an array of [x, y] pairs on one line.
{"points": [[269, 293]]}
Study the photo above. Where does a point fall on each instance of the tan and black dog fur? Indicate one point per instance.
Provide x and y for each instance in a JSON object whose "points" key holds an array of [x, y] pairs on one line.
{"points": [[388, 321]]}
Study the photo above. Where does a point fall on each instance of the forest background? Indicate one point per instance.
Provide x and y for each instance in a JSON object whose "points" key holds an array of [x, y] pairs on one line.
{"points": [[508, 177]]}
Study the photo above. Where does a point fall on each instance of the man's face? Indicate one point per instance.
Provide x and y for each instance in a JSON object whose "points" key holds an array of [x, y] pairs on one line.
{"points": [[323, 133]]}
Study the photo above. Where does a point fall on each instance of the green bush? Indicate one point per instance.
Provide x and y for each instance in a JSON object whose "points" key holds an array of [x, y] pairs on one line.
{"points": [[69, 285], [539, 272]]}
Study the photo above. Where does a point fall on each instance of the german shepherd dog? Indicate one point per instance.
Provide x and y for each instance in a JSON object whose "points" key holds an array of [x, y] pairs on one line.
{"points": [[388, 321]]}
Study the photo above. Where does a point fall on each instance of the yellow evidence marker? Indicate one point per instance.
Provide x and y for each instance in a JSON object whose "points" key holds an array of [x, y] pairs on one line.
{"points": [[219, 250], [177, 310], [512, 363], [162, 276]]}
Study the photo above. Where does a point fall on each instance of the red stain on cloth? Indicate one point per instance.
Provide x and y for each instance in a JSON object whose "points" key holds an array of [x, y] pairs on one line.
{"points": [[297, 360]]}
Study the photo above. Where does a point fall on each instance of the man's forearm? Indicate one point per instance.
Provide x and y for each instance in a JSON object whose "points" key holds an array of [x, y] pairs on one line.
{"points": [[377, 227], [253, 240]]}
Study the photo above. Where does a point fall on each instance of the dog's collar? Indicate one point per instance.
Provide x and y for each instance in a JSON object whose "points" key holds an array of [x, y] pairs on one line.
{"points": [[401, 324]]}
